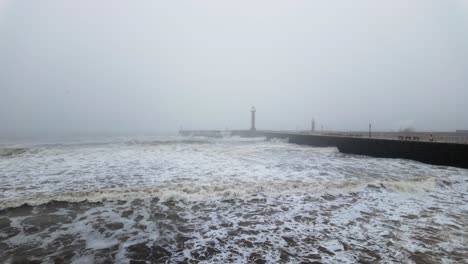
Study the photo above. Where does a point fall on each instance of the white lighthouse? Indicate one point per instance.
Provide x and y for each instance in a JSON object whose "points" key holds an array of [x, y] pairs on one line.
{"points": [[252, 126]]}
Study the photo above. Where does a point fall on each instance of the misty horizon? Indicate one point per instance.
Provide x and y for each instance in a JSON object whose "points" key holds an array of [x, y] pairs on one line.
{"points": [[233, 131], [116, 68]]}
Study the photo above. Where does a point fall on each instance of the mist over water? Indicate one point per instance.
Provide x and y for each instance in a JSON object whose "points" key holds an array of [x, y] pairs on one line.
{"points": [[226, 200], [92, 94], [115, 68]]}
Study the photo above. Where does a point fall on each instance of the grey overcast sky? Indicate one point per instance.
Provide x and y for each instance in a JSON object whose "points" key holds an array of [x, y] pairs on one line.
{"points": [[128, 67]]}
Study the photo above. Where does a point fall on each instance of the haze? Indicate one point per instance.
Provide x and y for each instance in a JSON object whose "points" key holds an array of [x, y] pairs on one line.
{"points": [[143, 67]]}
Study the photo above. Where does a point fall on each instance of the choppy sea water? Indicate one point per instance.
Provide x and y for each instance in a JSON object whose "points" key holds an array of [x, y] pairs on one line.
{"points": [[228, 200]]}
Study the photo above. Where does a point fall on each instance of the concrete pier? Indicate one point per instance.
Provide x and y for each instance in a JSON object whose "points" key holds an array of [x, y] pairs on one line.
{"points": [[437, 153]]}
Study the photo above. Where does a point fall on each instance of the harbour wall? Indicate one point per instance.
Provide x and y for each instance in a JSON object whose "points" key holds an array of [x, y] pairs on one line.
{"points": [[437, 153]]}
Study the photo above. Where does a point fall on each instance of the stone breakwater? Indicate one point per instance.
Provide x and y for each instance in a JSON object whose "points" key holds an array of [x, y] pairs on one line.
{"points": [[437, 153]]}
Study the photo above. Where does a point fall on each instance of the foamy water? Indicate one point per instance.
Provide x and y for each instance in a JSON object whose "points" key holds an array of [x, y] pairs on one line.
{"points": [[226, 200]]}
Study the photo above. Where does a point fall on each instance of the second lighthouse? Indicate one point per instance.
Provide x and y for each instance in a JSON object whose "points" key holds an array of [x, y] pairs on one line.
{"points": [[252, 126]]}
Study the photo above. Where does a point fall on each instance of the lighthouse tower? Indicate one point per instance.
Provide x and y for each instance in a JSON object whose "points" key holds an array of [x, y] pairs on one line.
{"points": [[252, 126]]}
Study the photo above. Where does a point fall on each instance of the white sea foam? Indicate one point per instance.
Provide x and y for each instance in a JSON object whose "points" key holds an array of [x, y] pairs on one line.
{"points": [[228, 200], [65, 169]]}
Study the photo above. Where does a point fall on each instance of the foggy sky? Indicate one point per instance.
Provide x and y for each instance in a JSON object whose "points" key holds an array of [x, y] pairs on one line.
{"points": [[128, 67]]}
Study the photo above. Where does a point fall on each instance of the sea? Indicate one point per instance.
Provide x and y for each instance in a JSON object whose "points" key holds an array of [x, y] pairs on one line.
{"points": [[172, 199]]}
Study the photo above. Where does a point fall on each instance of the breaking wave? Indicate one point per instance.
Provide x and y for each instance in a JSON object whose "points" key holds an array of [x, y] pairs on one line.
{"points": [[166, 142], [34, 149], [8, 152], [173, 192]]}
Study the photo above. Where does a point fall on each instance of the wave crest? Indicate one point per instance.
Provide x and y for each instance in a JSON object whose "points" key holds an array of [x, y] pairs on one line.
{"points": [[8, 152], [224, 191], [166, 142]]}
